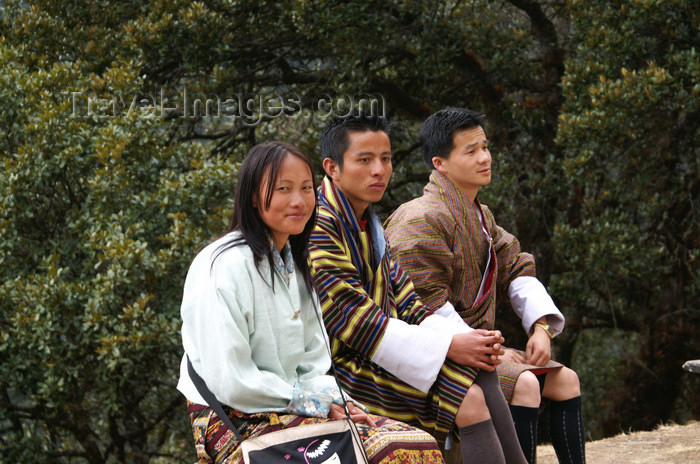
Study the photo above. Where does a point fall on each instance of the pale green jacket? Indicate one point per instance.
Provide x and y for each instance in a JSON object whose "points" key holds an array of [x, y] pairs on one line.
{"points": [[250, 345]]}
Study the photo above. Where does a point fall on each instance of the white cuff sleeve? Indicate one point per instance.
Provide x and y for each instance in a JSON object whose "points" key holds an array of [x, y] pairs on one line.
{"points": [[413, 353], [531, 301], [446, 320]]}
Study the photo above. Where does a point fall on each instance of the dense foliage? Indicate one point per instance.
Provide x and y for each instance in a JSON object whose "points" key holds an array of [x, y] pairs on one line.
{"points": [[116, 171], [629, 132]]}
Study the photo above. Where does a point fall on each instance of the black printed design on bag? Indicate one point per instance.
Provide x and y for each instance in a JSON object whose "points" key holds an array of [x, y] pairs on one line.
{"points": [[335, 448]]}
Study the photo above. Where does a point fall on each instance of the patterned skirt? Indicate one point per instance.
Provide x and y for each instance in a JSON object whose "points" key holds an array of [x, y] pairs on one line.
{"points": [[509, 372], [389, 442], [386, 395]]}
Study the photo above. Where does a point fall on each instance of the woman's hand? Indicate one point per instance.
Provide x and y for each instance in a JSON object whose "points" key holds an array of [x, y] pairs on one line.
{"points": [[356, 414]]}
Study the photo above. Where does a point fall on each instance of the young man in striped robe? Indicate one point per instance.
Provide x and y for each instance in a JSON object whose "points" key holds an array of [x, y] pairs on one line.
{"points": [[391, 353], [455, 253]]}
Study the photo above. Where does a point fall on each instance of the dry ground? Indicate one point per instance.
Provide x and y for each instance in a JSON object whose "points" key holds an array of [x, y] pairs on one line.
{"points": [[675, 444], [668, 444]]}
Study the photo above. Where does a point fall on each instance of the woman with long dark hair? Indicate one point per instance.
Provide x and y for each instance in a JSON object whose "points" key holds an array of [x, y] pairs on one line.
{"points": [[250, 326]]}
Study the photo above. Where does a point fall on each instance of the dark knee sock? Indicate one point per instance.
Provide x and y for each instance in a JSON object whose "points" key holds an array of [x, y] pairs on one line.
{"points": [[479, 444], [525, 420], [566, 431], [500, 415]]}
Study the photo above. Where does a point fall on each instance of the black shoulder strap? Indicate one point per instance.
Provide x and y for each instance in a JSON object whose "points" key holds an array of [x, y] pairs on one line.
{"points": [[211, 399], [216, 406]]}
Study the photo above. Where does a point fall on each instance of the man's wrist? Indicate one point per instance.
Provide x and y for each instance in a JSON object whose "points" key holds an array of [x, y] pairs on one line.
{"points": [[549, 330]]}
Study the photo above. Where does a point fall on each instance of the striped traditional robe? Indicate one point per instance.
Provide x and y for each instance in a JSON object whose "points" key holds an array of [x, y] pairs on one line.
{"points": [[439, 241], [360, 288]]}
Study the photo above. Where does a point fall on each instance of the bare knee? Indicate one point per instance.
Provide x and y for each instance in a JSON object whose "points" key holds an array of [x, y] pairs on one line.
{"points": [[473, 408], [526, 391], [561, 384]]}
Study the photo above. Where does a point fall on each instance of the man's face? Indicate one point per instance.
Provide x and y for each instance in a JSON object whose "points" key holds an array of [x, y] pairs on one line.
{"points": [[366, 169], [469, 164]]}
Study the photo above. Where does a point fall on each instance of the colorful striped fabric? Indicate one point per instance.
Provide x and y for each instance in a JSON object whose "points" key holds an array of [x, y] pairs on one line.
{"points": [[390, 442], [508, 373], [440, 243], [360, 288]]}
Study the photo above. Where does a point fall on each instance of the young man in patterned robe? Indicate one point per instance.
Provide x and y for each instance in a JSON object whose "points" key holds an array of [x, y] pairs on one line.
{"points": [[391, 353], [456, 254]]}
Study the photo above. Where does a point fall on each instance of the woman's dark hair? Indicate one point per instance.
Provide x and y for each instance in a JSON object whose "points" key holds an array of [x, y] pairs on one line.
{"points": [[264, 160]]}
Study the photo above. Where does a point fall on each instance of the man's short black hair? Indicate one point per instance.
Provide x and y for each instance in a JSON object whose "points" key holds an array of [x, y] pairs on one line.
{"points": [[335, 140], [437, 132]]}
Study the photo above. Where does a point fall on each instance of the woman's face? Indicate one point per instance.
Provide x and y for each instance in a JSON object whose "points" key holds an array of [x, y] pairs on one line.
{"points": [[293, 200]]}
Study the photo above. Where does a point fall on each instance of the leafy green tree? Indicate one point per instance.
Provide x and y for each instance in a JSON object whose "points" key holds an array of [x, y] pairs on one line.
{"points": [[99, 218], [630, 133]]}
